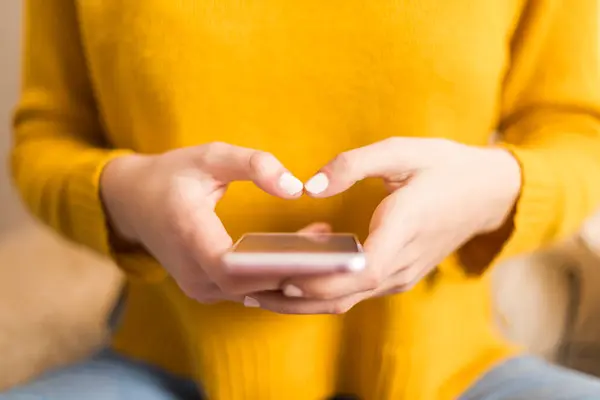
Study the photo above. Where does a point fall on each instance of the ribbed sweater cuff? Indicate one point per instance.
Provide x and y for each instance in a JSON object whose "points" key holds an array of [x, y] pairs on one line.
{"points": [[539, 206], [88, 219]]}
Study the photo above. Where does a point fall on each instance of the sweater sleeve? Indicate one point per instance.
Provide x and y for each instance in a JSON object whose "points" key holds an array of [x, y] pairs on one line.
{"points": [[551, 123], [59, 147]]}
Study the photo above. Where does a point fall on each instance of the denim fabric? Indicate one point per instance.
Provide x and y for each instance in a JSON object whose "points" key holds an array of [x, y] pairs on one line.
{"points": [[530, 378], [107, 376], [110, 376]]}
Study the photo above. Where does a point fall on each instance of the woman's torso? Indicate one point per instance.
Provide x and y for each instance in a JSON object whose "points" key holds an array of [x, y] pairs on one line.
{"points": [[306, 80], [302, 79]]}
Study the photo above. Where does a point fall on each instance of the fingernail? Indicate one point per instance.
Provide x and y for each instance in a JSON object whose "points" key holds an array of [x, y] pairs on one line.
{"points": [[292, 291], [250, 302], [290, 184], [317, 184]]}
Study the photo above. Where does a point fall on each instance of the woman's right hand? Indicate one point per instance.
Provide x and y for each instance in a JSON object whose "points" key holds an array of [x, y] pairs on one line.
{"points": [[167, 204]]}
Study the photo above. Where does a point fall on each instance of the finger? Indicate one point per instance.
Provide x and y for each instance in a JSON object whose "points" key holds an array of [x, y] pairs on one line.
{"points": [[337, 285], [227, 163], [207, 292], [390, 231], [404, 280], [206, 240], [195, 283], [195, 223], [212, 243], [385, 159], [316, 228], [424, 263], [281, 304], [382, 249]]}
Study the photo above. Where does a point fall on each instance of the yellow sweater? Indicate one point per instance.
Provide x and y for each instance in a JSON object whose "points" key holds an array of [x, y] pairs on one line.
{"points": [[306, 80]]}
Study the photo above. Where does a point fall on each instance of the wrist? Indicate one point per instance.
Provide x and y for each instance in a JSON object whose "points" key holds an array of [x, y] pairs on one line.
{"points": [[119, 180], [505, 173]]}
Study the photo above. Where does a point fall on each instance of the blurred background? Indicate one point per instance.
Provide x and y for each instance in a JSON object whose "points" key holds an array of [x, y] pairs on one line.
{"points": [[54, 296], [10, 15]]}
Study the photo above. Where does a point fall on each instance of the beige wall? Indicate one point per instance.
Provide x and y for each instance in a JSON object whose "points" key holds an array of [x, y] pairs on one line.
{"points": [[38, 328], [11, 213]]}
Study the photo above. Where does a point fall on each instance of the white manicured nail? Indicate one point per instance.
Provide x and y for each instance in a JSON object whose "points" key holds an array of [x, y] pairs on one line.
{"points": [[250, 302], [290, 184], [317, 184], [292, 291]]}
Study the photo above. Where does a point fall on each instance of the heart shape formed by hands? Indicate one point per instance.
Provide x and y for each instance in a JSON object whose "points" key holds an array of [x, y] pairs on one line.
{"points": [[442, 194]]}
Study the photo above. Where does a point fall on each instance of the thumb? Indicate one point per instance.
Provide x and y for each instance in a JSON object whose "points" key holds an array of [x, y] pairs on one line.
{"points": [[318, 228], [227, 163], [385, 159]]}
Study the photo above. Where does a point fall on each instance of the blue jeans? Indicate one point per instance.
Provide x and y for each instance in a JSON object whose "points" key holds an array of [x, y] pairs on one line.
{"points": [[107, 376], [110, 376]]}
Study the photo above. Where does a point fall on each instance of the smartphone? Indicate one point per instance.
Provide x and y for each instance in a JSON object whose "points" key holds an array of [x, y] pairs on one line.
{"points": [[295, 253]]}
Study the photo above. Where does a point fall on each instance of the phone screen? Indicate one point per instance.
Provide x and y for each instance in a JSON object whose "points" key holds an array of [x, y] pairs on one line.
{"points": [[297, 243]]}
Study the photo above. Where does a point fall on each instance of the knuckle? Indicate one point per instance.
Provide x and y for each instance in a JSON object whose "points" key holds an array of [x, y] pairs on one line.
{"points": [[345, 161], [397, 289], [215, 147], [394, 141], [259, 158], [339, 307], [208, 153], [372, 279], [283, 308], [407, 281], [190, 290], [260, 161], [227, 285], [230, 286]]}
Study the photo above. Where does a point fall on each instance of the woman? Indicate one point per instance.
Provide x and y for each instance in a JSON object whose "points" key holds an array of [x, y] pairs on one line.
{"points": [[136, 117]]}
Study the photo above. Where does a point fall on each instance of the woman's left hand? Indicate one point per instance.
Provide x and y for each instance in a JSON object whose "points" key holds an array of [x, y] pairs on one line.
{"points": [[442, 194]]}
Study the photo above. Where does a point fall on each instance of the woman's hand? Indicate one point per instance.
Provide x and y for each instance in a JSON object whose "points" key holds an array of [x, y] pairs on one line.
{"points": [[167, 204], [442, 194]]}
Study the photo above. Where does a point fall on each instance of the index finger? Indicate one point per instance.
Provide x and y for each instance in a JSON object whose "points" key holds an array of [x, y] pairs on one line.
{"points": [[227, 163], [395, 158]]}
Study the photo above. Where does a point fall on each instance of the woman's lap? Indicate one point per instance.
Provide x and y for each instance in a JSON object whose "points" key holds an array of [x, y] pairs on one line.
{"points": [[109, 376], [530, 378]]}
